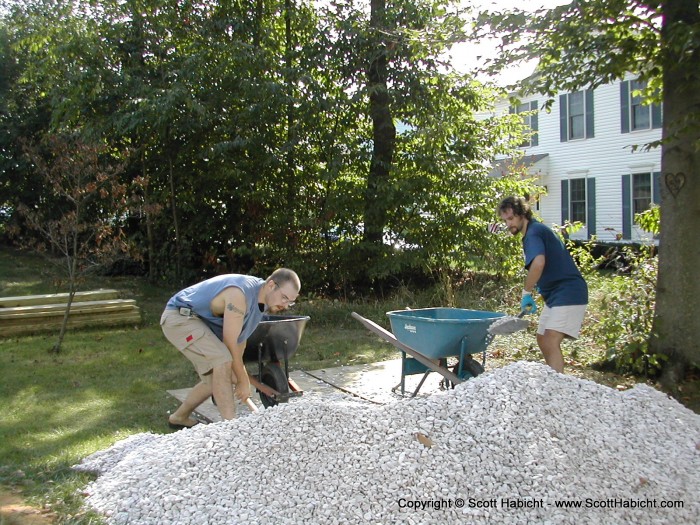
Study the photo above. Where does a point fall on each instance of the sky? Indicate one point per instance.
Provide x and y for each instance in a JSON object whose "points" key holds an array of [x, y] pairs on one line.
{"points": [[463, 54]]}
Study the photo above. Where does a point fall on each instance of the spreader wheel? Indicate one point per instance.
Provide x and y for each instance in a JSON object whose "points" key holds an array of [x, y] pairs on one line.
{"points": [[273, 376]]}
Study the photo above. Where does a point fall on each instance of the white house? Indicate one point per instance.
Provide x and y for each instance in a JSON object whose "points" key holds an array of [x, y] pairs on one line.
{"points": [[581, 152]]}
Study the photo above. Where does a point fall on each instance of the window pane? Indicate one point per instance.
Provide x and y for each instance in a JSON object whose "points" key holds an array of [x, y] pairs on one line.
{"points": [[576, 103], [640, 117], [577, 127], [641, 192], [636, 84], [577, 121], [578, 189], [577, 200], [578, 212]]}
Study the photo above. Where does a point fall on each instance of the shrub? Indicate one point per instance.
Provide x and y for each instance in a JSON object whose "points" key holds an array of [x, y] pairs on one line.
{"points": [[627, 309]]}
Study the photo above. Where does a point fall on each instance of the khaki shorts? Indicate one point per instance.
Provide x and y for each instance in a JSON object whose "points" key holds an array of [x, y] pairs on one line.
{"points": [[196, 342], [564, 319]]}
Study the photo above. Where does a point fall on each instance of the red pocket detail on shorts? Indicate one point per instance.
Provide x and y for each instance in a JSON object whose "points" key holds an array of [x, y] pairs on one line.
{"points": [[189, 338]]}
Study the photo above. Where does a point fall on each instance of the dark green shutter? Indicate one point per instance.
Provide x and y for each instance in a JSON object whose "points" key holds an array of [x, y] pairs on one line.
{"points": [[590, 204], [564, 201], [656, 187], [534, 123], [656, 120], [563, 118], [590, 132], [625, 106], [626, 207]]}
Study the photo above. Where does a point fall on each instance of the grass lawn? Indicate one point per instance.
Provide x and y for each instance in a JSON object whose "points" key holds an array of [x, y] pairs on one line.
{"points": [[107, 384]]}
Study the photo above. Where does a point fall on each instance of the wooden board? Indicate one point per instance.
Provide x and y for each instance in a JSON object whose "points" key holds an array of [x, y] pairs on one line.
{"points": [[48, 310], [44, 313], [48, 317], [122, 319], [57, 298]]}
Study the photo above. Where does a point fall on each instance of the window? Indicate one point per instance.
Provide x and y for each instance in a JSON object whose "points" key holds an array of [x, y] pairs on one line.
{"points": [[641, 118], [577, 126], [578, 198], [639, 191], [530, 121], [634, 114], [576, 116]]}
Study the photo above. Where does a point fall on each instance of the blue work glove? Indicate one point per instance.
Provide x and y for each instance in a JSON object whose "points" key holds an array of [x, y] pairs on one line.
{"points": [[527, 303]]}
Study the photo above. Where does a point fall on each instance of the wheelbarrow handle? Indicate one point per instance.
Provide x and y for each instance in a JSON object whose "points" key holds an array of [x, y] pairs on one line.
{"points": [[391, 338]]}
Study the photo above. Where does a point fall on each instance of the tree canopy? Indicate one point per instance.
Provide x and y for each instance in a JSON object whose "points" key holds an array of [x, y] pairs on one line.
{"points": [[246, 128]]}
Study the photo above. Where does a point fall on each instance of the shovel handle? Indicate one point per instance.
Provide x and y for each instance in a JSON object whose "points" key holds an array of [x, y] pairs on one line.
{"points": [[251, 405]]}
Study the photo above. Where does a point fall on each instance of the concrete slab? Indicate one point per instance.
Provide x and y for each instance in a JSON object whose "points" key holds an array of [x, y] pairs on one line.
{"points": [[207, 411], [369, 382], [374, 381]]}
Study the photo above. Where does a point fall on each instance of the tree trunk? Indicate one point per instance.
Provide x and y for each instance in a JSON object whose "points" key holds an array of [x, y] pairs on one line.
{"points": [[259, 8], [291, 135], [676, 323], [384, 132], [149, 226], [72, 287], [173, 205]]}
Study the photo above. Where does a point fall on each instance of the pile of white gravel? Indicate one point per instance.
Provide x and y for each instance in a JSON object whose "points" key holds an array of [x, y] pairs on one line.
{"points": [[512, 446]]}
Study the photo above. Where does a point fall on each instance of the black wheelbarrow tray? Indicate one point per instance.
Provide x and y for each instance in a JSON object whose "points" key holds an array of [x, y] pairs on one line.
{"points": [[273, 342], [426, 337]]}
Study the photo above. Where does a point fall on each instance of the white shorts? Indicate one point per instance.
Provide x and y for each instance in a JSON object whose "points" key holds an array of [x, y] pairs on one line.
{"points": [[564, 319]]}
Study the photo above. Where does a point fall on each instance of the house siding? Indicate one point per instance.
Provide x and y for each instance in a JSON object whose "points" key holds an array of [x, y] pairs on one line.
{"points": [[606, 157]]}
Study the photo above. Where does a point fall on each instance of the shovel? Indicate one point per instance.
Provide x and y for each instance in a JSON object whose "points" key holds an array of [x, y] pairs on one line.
{"points": [[509, 324], [251, 405]]}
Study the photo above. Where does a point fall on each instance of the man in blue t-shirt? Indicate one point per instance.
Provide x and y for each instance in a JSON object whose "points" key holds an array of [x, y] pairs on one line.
{"points": [[551, 268], [210, 322]]}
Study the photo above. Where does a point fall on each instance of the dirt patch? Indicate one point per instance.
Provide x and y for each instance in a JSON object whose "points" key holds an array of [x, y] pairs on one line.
{"points": [[14, 511]]}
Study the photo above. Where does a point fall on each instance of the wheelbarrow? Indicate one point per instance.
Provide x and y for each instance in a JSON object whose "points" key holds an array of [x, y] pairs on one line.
{"points": [[273, 342], [426, 337]]}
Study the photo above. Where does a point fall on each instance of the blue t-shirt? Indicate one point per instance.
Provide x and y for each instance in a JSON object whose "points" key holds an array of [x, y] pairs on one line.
{"points": [[561, 283], [198, 297]]}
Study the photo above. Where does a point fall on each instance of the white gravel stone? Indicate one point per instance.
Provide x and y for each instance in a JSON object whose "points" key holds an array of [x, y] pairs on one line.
{"points": [[509, 446]]}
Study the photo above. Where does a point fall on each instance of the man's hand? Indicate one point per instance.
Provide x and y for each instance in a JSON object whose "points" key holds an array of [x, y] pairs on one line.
{"points": [[240, 374], [527, 303], [243, 390]]}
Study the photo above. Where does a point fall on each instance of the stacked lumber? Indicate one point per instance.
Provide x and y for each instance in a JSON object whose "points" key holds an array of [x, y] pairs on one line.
{"points": [[41, 313]]}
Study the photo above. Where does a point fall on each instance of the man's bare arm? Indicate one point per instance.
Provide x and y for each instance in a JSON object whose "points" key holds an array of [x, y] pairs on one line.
{"points": [[534, 272], [233, 308], [234, 315]]}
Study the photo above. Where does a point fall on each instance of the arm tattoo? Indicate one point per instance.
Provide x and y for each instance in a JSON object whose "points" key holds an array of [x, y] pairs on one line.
{"points": [[233, 308]]}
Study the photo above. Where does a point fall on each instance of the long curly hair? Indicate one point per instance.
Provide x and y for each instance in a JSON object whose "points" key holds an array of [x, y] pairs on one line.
{"points": [[519, 205]]}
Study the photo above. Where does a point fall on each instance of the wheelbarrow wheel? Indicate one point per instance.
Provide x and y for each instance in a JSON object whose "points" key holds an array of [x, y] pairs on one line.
{"points": [[470, 368], [273, 376]]}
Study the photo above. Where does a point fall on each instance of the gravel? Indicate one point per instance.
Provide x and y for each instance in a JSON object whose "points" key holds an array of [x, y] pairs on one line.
{"points": [[512, 446]]}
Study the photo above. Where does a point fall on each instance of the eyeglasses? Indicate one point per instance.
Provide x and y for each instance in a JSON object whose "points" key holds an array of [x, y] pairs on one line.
{"points": [[286, 300]]}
